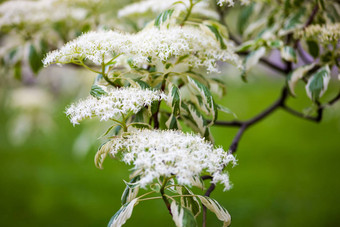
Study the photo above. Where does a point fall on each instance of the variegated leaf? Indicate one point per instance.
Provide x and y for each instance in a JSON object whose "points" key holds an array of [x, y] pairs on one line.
{"points": [[123, 214], [101, 154], [296, 75], [220, 212], [130, 193], [253, 58], [318, 83], [190, 202], [288, 54], [182, 216]]}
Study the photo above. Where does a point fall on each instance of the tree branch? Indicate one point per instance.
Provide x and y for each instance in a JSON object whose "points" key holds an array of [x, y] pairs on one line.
{"points": [[246, 124]]}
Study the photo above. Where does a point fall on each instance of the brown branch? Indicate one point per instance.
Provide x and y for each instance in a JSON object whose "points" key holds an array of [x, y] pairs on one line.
{"points": [[246, 124], [207, 193]]}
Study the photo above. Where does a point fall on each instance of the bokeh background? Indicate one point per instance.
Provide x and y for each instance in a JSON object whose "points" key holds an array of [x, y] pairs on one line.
{"points": [[287, 173]]}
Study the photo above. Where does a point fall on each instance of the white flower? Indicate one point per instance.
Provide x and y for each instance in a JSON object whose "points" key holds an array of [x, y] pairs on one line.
{"points": [[324, 33], [156, 153], [37, 12], [201, 47], [112, 105], [158, 6]]}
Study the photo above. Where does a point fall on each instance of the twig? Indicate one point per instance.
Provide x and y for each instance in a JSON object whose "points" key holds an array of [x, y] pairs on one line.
{"points": [[207, 193], [246, 124]]}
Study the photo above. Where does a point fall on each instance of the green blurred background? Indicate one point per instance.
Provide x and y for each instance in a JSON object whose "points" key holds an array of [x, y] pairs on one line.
{"points": [[287, 173]]}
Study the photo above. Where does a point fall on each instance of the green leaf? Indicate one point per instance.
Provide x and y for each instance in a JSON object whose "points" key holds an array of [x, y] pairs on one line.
{"points": [[182, 216], [142, 84], [225, 109], [190, 202], [214, 29], [101, 154], [288, 54], [17, 70], [313, 48], [172, 122], [246, 46], [123, 214], [295, 20], [97, 91], [296, 75], [34, 59], [107, 131], [254, 57], [203, 90], [175, 99], [244, 16], [161, 18], [275, 44], [318, 83], [154, 107], [130, 193], [220, 212]]}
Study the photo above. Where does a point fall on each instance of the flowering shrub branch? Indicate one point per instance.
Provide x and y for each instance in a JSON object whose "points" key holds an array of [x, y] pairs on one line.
{"points": [[152, 81]]}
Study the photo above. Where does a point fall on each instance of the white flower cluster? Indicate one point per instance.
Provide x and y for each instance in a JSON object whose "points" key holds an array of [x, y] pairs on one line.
{"points": [[37, 12], [112, 105], [156, 153], [161, 45], [232, 2], [326, 34], [158, 6]]}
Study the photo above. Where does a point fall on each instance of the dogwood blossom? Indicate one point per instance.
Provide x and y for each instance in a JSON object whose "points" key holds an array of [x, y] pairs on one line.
{"points": [[113, 105], [158, 44], [37, 12], [157, 153], [324, 33]]}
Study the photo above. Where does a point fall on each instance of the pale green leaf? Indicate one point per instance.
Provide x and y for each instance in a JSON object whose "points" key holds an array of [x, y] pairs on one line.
{"points": [[101, 154], [182, 216], [288, 54], [97, 91], [253, 58], [130, 193], [190, 202], [220, 212], [164, 16], [296, 75], [318, 83], [123, 214]]}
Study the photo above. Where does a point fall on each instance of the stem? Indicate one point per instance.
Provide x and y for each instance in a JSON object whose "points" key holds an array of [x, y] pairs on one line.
{"points": [[155, 115], [166, 201], [104, 74], [207, 193], [85, 66], [151, 198], [188, 13]]}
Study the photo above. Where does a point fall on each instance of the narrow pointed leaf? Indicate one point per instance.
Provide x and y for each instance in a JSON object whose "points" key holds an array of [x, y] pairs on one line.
{"points": [[130, 193], [182, 216], [34, 59], [220, 212], [288, 54], [296, 75], [123, 214], [318, 83], [97, 91]]}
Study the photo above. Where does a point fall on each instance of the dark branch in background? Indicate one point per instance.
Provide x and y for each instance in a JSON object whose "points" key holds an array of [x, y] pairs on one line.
{"points": [[222, 12], [279, 103], [246, 124]]}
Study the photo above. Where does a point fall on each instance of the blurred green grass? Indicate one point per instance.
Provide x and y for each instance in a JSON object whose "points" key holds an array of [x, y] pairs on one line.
{"points": [[287, 173]]}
